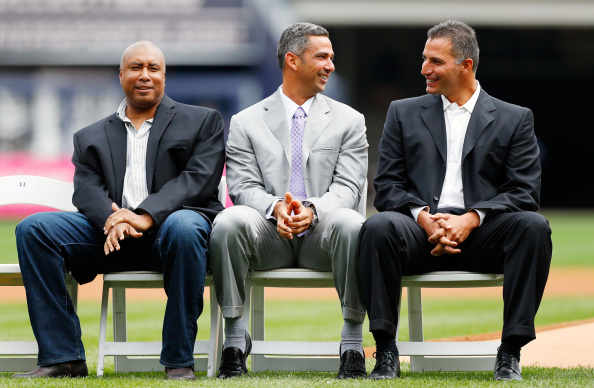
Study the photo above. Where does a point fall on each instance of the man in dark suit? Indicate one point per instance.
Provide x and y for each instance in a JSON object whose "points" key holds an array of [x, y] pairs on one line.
{"points": [[458, 185], [145, 185]]}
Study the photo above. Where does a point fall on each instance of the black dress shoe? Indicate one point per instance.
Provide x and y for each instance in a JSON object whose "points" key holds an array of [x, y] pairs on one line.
{"points": [[233, 360], [352, 365], [387, 366], [186, 373], [507, 367], [76, 368]]}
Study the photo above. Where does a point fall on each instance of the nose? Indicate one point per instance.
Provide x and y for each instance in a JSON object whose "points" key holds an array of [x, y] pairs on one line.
{"points": [[329, 66], [144, 74], [425, 68]]}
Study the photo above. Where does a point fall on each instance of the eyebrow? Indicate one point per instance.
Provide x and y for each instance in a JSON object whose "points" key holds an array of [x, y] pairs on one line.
{"points": [[140, 64]]}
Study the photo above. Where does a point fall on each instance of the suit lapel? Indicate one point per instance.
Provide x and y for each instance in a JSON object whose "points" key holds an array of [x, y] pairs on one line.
{"points": [[480, 118], [163, 115], [317, 120], [115, 130], [276, 120], [432, 115]]}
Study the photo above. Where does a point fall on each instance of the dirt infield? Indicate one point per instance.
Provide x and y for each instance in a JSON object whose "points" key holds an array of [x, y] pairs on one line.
{"points": [[562, 282]]}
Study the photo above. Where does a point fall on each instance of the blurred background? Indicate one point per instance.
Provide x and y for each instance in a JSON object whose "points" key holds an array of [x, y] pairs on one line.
{"points": [[59, 67], [59, 72]]}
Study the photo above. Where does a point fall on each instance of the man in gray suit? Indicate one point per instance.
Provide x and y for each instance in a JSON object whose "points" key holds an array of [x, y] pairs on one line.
{"points": [[296, 166]]}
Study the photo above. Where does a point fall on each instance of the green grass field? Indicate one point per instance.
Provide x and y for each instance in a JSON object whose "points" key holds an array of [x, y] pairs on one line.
{"points": [[321, 320]]}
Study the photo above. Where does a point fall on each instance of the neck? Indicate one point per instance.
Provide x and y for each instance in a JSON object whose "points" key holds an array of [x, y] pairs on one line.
{"points": [[139, 116], [292, 91], [463, 94]]}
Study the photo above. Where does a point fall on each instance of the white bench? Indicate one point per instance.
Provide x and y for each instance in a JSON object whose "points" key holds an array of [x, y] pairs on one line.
{"points": [[16, 356], [316, 356], [127, 354], [324, 356]]}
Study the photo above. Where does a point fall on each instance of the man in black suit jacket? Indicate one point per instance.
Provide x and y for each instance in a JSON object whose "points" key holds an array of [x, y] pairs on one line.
{"points": [[458, 185], [145, 185]]}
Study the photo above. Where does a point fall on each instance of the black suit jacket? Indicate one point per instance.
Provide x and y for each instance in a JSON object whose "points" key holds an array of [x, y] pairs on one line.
{"points": [[500, 157], [184, 163]]}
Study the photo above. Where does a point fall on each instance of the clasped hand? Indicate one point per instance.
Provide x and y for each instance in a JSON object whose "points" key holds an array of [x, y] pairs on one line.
{"points": [[447, 231], [121, 224], [288, 225]]}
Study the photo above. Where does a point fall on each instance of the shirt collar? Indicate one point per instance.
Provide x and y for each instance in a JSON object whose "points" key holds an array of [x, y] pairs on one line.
{"points": [[121, 113], [291, 106], [469, 106]]}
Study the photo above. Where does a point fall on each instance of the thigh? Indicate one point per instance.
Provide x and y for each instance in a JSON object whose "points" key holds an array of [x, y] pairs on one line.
{"points": [[487, 247], [265, 249], [74, 238], [339, 228], [397, 237]]}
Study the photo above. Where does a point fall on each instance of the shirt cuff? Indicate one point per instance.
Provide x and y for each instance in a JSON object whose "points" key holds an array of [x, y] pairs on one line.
{"points": [[416, 210], [481, 213], [270, 209]]}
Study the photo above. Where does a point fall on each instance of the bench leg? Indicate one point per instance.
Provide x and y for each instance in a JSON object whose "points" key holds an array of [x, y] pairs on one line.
{"points": [[415, 324], [102, 330], [216, 335], [257, 324], [120, 333]]}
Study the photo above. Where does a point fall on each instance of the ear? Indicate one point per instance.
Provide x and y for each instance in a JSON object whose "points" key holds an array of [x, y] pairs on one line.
{"points": [[292, 60], [120, 75], [467, 65]]}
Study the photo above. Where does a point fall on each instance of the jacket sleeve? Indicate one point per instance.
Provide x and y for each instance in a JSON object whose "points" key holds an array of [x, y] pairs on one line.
{"points": [[245, 180], [520, 187], [392, 182], [350, 172], [91, 196]]}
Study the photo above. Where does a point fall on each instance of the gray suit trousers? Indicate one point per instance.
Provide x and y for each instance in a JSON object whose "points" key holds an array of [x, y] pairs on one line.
{"points": [[243, 239]]}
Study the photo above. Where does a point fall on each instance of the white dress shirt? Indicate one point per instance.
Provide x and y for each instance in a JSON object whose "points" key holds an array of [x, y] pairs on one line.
{"points": [[456, 121], [135, 188]]}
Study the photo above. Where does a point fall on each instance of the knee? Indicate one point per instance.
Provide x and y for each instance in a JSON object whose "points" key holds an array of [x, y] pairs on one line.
{"points": [[232, 220], [534, 224], [382, 225], [346, 222], [186, 225], [30, 226]]}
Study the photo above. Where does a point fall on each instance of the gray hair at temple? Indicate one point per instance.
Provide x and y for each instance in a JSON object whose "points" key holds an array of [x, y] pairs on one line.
{"points": [[463, 38], [142, 43], [295, 39]]}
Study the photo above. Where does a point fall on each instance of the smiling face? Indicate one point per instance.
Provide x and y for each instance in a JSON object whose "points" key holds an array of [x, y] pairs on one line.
{"points": [[142, 76], [314, 66], [443, 76]]}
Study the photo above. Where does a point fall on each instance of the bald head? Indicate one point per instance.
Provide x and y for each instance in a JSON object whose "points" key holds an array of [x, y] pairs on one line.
{"points": [[145, 44]]}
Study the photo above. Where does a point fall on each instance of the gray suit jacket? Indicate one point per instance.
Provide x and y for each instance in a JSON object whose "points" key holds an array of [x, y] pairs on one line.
{"points": [[334, 155]]}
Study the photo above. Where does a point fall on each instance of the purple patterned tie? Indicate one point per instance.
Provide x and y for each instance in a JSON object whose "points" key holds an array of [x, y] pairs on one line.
{"points": [[297, 185]]}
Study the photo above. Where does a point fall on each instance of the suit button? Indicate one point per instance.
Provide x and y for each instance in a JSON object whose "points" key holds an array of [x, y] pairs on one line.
{"points": [[436, 198]]}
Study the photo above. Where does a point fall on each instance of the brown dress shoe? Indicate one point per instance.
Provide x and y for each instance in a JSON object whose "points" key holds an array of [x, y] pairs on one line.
{"points": [[76, 368], [180, 373]]}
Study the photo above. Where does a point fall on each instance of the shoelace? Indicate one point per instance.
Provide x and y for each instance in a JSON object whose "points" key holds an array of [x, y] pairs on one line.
{"points": [[384, 358], [506, 360]]}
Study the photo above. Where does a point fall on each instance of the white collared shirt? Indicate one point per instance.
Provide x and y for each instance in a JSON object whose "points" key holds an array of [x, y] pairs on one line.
{"points": [[456, 121], [291, 106], [135, 187]]}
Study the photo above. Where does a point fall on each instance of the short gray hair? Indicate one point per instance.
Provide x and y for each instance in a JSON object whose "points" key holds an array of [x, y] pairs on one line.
{"points": [[295, 39], [142, 43], [463, 38]]}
